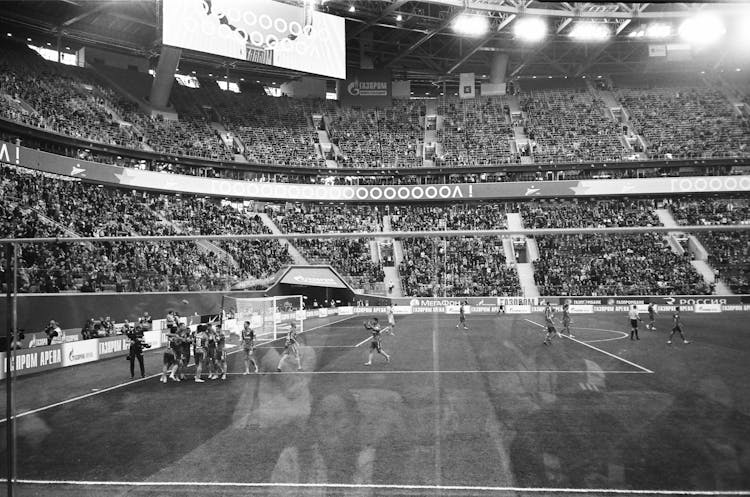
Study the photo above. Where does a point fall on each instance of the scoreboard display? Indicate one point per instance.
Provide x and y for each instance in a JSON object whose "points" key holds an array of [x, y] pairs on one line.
{"points": [[261, 31]]}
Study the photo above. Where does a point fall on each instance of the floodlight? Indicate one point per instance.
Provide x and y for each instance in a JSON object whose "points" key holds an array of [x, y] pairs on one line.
{"points": [[702, 29], [653, 31], [471, 25], [590, 31], [530, 29]]}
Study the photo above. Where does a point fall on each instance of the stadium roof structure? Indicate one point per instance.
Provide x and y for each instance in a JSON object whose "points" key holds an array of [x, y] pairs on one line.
{"points": [[414, 39]]}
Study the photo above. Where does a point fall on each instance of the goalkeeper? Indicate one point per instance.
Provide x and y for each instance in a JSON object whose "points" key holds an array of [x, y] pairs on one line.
{"points": [[290, 347], [375, 345]]}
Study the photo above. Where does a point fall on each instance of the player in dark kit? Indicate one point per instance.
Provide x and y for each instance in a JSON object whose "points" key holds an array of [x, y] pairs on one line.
{"points": [[171, 357], [651, 317], [220, 355], [200, 343], [634, 319], [462, 315], [375, 345], [677, 327], [186, 340], [211, 352], [248, 347], [566, 320]]}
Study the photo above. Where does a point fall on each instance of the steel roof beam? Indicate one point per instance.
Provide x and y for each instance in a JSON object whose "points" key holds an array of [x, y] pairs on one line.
{"points": [[426, 37]]}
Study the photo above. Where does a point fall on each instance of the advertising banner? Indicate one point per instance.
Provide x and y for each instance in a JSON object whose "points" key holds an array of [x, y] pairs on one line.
{"points": [[366, 88], [26, 361], [312, 277], [466, 85], [79, 352], [113, 346], [135, 178], [262, 31]]}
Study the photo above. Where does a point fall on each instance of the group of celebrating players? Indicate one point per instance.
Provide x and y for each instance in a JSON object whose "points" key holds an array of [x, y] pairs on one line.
{"points": [[208, 346]]}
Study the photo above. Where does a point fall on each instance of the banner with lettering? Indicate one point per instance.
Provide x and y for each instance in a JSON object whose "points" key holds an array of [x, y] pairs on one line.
{"points": [[365, 88], [178, 183]]}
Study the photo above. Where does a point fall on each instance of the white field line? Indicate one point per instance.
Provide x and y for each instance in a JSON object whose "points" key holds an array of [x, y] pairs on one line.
{"points": [[445, 371], [374, 486], [646, 370], [132, 382]]}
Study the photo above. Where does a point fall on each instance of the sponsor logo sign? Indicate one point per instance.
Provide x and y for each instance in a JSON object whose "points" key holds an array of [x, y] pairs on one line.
{"points": [[581, 309], [518, 309], [79, 352], [112, 346], [707, 307], [27, 361]]}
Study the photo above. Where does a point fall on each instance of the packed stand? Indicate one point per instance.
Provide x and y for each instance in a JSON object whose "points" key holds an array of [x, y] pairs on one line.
{"points": [[728, 251], [588, 214], [378, 137], [604, 264], [457, 267], [36, 205], [686, 122], [350, 257], [569, 126], [475, 132], [272, 130], [416, 217], [74, 102]]}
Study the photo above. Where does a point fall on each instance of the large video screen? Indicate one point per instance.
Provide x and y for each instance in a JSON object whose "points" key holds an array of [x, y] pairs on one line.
{"points": [[261, 31]]}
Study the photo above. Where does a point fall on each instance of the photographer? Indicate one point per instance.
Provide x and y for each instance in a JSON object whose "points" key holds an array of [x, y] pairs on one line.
{"points": [[52, 330], [137, 344]]}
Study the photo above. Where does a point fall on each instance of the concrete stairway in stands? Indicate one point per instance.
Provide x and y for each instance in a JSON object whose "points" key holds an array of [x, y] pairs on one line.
{"points": [[525, 269], [695, 247], [203, 245], [293, 252], [391, 272]]}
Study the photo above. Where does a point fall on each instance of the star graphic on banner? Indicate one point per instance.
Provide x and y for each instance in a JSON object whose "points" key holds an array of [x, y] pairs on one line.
{"points": [[582, 188], [125, 177]]}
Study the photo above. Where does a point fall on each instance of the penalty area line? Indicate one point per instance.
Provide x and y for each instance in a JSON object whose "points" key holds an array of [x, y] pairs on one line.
{"points": [[645, 370], [375, 486]]}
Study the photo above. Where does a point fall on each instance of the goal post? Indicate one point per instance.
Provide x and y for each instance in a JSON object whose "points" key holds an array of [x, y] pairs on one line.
{"points": [[270, 317]]}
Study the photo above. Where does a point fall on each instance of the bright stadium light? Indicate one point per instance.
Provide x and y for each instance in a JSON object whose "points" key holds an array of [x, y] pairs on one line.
{"points": [[653, 31], [590, 31], [530, 29], [471, 25], [703, 29]]}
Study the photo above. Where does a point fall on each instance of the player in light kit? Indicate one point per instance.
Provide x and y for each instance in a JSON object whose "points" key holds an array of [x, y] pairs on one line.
{"points": [[290, 347], [677, 327], [375, 345], [462, 315], [634, 318], [200, 342], [391, 320], [566, 320], [549, 320], [651, 317], [248, 347]]}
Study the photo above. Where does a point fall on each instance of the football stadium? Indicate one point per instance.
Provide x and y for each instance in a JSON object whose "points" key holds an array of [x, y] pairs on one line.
{"points": [[474, 248]]}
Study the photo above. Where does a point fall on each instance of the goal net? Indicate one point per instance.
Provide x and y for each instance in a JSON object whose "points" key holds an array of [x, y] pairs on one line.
{"points": [[270, 317]]}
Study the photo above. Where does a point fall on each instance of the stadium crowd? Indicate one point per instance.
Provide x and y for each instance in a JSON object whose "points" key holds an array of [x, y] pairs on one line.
{"points": [[728, 251], [588, 214], [353, 258], [36, 205], [637, 264]]}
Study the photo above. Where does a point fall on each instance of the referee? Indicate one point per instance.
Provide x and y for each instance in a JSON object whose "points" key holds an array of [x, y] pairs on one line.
{"points": [[634, 318]]}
